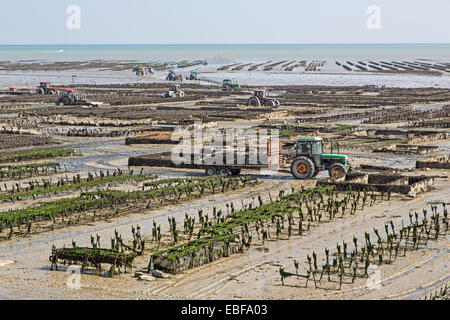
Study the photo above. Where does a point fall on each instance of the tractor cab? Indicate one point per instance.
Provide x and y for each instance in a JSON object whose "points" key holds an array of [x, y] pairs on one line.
{"points": [[260, 94], [193, 75], [45, 85], [227, 82], [310, 160], [311, 148]]}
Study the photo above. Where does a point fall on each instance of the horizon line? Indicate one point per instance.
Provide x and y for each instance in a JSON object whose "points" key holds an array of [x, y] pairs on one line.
{"points": [[224, 44]]}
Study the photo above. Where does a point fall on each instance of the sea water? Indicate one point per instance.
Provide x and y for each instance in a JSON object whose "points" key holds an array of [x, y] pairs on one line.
{"points": [[223, 53]]}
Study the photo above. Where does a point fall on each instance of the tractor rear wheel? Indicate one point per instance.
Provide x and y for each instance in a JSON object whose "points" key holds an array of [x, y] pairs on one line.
{"points": [[40, 91], [302, 168], [337, 170], [253, 102]]}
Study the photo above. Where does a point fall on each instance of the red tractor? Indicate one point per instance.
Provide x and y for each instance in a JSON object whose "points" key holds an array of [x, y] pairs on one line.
{"points": [[73, 98], [69, 98], [259, 99], [45, 88]]}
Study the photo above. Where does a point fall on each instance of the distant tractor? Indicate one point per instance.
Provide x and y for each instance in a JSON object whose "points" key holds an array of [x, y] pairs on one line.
{"points": [[227, 84], [193, 76], [44, 88], [259, 99], [310, 160], [69, 98], [143, 71], [174, 92], [172, 76], [73, 98]]}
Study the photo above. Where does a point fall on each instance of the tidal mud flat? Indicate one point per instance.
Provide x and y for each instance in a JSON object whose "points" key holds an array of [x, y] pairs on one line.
{"points": [[64, 173]]}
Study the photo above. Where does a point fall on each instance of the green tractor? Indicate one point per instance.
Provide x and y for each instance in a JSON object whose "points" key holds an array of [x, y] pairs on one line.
{"points": [[310, 160], [227, 84]]}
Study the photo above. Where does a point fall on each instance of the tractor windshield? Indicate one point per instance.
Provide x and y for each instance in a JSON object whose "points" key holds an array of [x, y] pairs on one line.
{"points": [[317, 147]]}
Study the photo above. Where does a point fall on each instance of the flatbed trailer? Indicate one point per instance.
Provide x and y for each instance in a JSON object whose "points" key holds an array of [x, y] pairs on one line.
{"points": [[224, 168]]}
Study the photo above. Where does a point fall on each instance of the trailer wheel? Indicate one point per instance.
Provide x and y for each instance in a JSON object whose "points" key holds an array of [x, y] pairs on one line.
{"points": [[210, 171], [224, 171], [302, 168], [337, 170]]}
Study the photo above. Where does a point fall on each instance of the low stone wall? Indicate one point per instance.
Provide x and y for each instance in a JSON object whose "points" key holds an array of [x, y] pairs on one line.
{"points": [[381, 168], [148, 140], [413, 137], [438, 162], [408, 148], [429, 136], [407, 185]]}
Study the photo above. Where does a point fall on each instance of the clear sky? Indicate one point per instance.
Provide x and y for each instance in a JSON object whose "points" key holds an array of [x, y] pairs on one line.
{"points": [[224, 21]]}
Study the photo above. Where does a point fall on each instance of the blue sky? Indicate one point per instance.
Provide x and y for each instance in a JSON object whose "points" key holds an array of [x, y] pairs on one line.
{"points": [[224, 21]]}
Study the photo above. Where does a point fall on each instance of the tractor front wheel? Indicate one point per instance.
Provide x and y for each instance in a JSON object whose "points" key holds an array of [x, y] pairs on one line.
{"points": [[337, 170], [270, 103], [302, 168]]}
